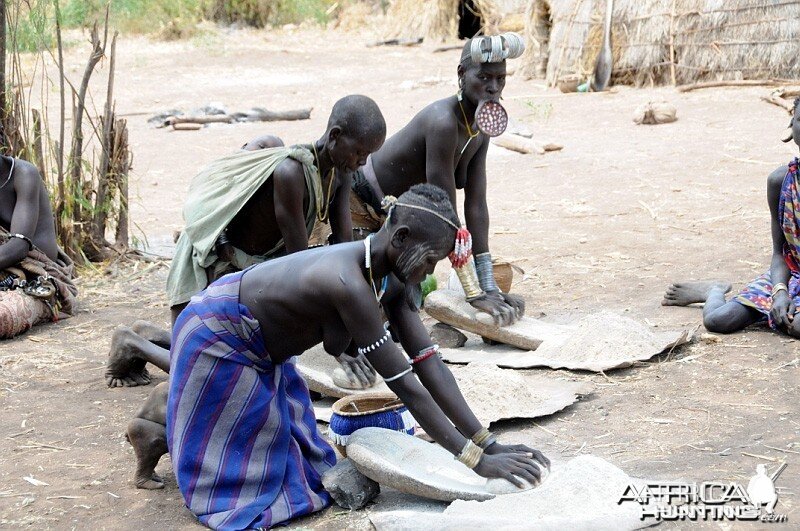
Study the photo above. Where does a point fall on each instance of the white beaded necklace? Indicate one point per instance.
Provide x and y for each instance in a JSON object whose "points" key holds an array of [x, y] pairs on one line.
{"points": [[368, 266]]}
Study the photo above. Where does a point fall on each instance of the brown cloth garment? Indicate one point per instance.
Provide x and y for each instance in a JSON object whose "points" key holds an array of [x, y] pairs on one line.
{"points": [[20, 311]]}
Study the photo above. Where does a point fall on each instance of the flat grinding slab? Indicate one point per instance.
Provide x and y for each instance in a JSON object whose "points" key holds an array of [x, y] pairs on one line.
{"points": [[495, 394], [597, 342], [581, 494], [413, 466]]}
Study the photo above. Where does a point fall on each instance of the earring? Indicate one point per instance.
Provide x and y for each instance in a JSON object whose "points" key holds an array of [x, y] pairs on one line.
{"points": [[460, 92]]}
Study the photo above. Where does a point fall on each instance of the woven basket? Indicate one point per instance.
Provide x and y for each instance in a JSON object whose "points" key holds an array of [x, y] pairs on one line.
{"points": [[367, 410]]}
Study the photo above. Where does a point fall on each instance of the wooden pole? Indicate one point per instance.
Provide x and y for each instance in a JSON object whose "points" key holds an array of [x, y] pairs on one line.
{"points": [[672, 44]]}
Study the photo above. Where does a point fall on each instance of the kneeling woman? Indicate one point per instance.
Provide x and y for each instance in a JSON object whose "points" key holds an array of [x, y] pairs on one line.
{"points": [[240, 426]]}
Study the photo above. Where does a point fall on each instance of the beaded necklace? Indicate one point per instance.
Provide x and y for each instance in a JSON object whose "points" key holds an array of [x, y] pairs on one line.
{"points": [[323, 216], [368, 267], [469, 128]]}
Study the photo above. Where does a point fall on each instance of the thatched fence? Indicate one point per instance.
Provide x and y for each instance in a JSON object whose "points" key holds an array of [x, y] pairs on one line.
{"points": [[667, 41]]}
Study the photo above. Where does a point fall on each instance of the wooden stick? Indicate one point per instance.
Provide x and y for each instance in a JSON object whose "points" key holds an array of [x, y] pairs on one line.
{"points": [[186, 127], [672, 44], [735, 83], [518, 144], [780, 102], [213, 119], [448, 48], [790, 92]]}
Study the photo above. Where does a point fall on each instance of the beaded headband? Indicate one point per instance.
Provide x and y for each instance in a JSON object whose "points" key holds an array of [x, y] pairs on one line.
{"points": [[462, 249]]}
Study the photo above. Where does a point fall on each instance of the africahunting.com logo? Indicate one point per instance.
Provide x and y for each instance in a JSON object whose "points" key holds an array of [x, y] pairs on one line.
{"points": [[710, 501]]}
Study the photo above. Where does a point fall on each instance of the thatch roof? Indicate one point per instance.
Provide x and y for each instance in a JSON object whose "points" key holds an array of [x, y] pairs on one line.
{"points": [[707, 39], [437, 20]]}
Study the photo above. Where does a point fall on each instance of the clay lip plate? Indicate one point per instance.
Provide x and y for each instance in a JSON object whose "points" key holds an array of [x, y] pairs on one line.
{"points": [[413, 466]]}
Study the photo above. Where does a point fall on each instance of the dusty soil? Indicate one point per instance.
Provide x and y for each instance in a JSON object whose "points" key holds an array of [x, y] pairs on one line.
{"points": [[607, 222]]}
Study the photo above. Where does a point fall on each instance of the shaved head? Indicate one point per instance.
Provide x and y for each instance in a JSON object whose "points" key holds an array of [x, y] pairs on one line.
{"points": [[358, 117]]}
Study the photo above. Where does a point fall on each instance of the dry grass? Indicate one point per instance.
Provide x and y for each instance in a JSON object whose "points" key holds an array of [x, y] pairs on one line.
{"points": [[712, 39]]}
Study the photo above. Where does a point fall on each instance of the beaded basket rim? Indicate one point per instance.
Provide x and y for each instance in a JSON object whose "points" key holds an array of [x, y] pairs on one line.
{"points": [[374, 403]]}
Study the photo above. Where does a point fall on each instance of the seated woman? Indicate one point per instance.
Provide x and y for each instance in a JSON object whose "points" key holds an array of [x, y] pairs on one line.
{"points": [[239, 422], [775, 295]]}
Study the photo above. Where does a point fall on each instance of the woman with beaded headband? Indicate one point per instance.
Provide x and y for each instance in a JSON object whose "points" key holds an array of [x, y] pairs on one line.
{"points": [[445, 144], [234, 390], [774, 296]]}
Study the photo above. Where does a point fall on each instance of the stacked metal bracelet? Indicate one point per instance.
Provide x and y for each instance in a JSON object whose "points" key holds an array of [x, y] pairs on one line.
{"points": [[470, 455], [780, 286], [484, 438], [378, 343], [469, 280], [483, 265]]}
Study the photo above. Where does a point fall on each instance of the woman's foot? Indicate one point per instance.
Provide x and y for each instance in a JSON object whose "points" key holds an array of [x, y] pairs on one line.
{"points": [[125, 368], [685, 293]]}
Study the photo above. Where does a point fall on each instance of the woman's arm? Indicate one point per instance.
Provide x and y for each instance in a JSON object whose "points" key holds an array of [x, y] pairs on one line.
{"points": [[360, 314], [341, 223], [436, 377], [782, 306]]}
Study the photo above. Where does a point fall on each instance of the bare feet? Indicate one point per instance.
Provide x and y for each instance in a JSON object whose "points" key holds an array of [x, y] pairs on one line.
{"points": [[152, 333], [685, 293], [149, 441], [124, 367]]}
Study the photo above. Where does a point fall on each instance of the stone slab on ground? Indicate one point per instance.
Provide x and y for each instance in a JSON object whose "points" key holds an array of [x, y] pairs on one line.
{"points": [[413, 466], [348, 487], [581, 494], [494, 394], [316, 366], [597, 342], [450, 308]]}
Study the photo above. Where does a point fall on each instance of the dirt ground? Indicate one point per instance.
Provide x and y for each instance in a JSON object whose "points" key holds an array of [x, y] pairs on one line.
{"points": [[607, 222]]}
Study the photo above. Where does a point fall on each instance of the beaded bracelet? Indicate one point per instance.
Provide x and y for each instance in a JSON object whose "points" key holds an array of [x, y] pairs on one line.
{"points": [[377, 344], [470, 455], [469, 280], [483, 266], [425, 354], [23, 237], [484, 438]]}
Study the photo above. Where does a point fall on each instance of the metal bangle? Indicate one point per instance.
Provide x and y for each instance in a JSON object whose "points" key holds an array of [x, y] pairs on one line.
{"points": [[469, 280], [780, 286], [483, 266], [470, 454]]}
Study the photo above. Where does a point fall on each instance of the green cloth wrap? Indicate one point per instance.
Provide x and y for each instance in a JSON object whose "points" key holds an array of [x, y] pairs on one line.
{"points": [[215, 196]]}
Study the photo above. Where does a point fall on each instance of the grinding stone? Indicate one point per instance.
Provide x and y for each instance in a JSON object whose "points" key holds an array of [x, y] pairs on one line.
{"points": [[598, 342], [494, 394], [413, 466], [581, 494], [316, 366], [451, 308]]}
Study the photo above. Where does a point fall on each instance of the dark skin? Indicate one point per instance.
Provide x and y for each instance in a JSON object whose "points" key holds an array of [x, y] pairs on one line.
{"points": [[324, 295], [428, 149], [25, 209], [727, 317], [278, 210]]}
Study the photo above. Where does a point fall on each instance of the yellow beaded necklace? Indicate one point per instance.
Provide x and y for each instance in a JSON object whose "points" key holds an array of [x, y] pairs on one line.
{"points": [[323, 216]]}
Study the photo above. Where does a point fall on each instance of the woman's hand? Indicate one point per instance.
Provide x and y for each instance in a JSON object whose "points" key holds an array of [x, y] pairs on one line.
{"points": [[358, 370], [497, 448], [510, 466], [783, 310], [493, 304]]}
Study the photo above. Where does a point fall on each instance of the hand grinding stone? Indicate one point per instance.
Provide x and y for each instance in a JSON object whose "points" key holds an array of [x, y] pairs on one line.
{"points": [[413, 466]]}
